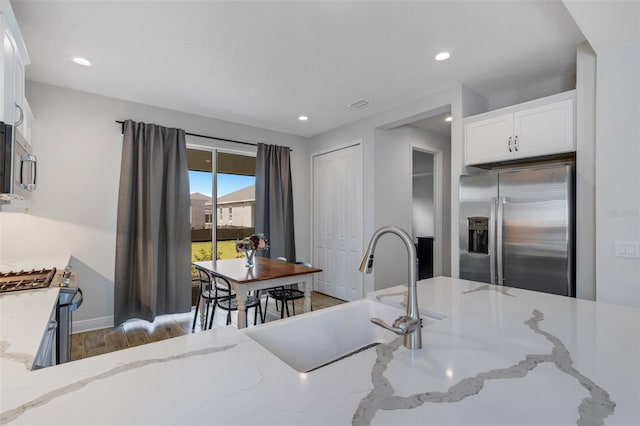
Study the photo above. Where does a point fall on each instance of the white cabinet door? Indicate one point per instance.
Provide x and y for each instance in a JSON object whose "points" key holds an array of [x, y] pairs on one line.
{"points": [[489, 140], [13, 77], [548, 129], [18, 93], [337, 223], [8, 55], [13, 81]]}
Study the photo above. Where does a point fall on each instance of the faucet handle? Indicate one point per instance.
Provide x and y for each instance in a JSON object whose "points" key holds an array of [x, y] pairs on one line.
{"points": [[401, 326]]}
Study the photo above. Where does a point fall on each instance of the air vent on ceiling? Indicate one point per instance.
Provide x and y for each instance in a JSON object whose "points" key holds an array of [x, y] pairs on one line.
{"points": [[359, 104]]}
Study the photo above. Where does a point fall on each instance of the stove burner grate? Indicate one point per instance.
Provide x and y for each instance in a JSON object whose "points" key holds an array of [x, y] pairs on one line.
{"points": [[26, 280]]}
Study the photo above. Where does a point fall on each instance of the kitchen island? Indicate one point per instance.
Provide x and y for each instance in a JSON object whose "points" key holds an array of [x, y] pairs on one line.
{"points": [[498, 356]]}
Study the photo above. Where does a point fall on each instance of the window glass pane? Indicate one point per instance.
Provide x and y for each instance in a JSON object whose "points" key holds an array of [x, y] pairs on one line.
{"points": [[200, 188], [235, 204]]}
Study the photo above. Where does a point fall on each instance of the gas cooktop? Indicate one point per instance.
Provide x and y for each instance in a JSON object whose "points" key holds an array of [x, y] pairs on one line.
{"points": [[26, 280]]}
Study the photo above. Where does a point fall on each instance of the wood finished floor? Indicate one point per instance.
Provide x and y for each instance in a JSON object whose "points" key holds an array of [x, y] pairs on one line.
{"points": [[135, 333]]}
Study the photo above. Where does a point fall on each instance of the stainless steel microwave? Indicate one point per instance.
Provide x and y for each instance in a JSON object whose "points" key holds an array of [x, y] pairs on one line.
{"points": [[17, 167]]}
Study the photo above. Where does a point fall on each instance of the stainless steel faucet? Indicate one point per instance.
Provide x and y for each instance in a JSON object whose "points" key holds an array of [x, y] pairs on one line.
{"points": [[408, 325]]}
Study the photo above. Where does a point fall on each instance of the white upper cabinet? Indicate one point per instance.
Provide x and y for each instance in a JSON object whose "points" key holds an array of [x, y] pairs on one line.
{"points": [[487, 140], [537, 128], [7, 61], [544, 130], [13, 59]]}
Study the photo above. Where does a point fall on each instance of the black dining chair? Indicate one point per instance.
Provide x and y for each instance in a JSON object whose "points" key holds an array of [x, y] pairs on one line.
{"points": [[210, 291], [230, 304], [284, 294], [207, 293]]}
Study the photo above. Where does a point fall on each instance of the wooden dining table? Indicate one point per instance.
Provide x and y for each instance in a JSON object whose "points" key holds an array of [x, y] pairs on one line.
{"points": [[266, 273]]}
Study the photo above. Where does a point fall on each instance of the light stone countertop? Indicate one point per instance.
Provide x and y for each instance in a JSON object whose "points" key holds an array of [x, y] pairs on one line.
{"points": [[24, 317], [501, 356]]}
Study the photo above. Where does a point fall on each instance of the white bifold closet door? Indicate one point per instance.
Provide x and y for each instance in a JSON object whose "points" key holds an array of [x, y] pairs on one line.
{"points": [[337, 222]]}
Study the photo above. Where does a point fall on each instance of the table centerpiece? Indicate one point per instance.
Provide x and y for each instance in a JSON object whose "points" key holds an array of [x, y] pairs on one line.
{"points": [[249, 245]]}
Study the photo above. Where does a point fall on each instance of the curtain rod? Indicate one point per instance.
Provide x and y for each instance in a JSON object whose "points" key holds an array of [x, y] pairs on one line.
{"points": [[204, 136]]}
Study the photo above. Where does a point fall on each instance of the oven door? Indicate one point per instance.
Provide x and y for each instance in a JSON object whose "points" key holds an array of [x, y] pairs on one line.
{"points": [[46, 356], [69, 300]]}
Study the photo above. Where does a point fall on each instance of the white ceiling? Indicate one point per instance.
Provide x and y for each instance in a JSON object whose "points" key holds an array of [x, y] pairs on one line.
{"points": [[264, 63]]}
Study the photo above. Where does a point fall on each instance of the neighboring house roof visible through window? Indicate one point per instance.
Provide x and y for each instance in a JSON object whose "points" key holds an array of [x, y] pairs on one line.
{"points": [[243, 195], [199, 197]]}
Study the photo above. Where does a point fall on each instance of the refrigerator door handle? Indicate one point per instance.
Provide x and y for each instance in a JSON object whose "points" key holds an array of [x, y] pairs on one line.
{"points": [[492, 240], [500, 240]]}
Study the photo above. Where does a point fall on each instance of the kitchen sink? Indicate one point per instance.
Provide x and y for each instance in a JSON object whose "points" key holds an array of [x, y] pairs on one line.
{"points": [[307, 342]]}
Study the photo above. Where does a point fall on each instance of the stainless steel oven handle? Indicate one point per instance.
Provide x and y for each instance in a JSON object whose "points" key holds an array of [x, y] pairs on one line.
{"points": [[75, 304], [26, 158]]}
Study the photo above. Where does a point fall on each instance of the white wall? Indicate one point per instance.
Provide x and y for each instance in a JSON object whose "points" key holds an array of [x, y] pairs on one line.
{"points": [[518, 94], [612, 29], [392, 203], [585, 173], [617, 172], [73, 212]]}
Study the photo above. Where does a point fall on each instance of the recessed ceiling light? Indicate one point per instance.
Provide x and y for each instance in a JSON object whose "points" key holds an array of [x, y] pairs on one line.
{"points": [[303, 118], [82, 61], [448, 118], [442, 56]]}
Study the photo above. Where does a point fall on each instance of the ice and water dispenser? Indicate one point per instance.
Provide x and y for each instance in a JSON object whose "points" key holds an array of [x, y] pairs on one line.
{"points": [[478, 234]]}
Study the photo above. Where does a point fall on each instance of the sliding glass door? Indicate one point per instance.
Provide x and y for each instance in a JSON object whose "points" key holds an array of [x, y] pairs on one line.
{"points": [[220, 216]]}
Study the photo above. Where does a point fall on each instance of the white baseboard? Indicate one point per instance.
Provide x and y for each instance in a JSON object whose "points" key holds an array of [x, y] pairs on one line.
{"points": [[92, 324]]}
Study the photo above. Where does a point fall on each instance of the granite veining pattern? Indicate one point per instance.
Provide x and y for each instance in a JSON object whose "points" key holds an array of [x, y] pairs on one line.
{"points": [[10, 415], [484, 352], [21, 358], [592, 409]]}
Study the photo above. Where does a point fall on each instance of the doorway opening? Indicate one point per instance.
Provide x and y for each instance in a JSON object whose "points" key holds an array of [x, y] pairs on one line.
{"points": [[423, 212], [431, 195]]}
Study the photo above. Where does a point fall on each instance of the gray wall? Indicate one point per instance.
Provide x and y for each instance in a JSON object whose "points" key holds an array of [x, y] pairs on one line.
{"points": [[78, 145], [387, 172]]}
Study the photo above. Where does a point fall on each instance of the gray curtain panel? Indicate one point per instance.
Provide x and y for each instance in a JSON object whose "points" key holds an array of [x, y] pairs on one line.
{"points": [[274, 200], [153, 241]]}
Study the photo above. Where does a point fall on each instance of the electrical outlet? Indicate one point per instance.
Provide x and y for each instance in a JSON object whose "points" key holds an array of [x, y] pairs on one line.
{"points": [[630, 249]]}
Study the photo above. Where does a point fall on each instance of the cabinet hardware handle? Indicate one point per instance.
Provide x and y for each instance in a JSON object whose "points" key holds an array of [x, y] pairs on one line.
{"points": [[509, 144], [515, 143], [21, 119]]}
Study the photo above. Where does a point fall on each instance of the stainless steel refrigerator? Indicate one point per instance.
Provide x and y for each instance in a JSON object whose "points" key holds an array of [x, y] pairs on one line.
{"points": [[517, 228]]}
